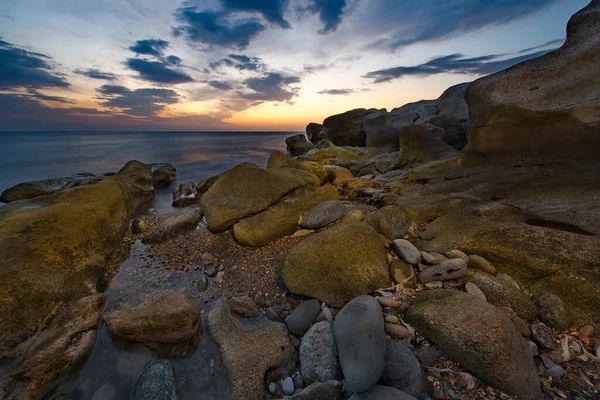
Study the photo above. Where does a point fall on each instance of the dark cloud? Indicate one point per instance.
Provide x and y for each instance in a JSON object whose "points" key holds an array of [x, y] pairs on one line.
{"points": [[542, 46], [330, 13], [33, 93], [455, 64], [174, 60], [97, 74], [430, 20], [271, 10], [157, 71], [23, 68], [150, 47], [213, 28], [271, 87], [145, 102], [240, 62], [311, 69], [221, 85], [337, 92]]}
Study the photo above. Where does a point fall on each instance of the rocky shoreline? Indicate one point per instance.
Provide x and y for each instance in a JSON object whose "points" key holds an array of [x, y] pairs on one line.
{"points": [[448, 249]]}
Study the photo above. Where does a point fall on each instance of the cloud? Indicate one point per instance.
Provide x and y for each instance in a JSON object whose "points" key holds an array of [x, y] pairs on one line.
{"points": [[330, 13], [147, 102], [542, 46], [33, 93], [337, 92], [271, 10], [271, 87], [215, 29], [455, 64], [23, 68], [150, 47], [221, 85], [96, 74], [311, 69], [173, 60], [240, 62], [157, 71]]}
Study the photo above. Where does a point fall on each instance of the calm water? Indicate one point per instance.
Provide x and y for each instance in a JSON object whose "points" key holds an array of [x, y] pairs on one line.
{"points": [[196, 155]]}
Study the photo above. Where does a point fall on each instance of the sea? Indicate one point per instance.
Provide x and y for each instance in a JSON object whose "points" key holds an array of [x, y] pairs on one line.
{"points": [[27, 156]]}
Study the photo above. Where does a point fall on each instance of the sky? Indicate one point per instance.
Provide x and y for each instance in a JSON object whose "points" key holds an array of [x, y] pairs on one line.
{"points": [[243, 65]]}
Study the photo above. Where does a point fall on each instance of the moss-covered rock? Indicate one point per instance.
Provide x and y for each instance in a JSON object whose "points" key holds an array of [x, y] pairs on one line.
{"points": [[280, 160], [339, 154], [205, 184], [391, 221], [336, 174], [52, 249], [338, 264]]}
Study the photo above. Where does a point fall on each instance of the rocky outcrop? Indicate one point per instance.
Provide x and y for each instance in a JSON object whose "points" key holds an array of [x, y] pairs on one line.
{"points": [[53, 248], [546, 107], [337, 264], [163, 174], [33, 189], [174, 224], [298, 145], [423, 142], [480, 337], [164, 317], [246, 190], [346, 129]]}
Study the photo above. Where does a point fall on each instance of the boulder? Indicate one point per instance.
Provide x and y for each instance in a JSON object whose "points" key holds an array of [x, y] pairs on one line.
{"points": [[552, 310], [332, 155], [253, 351], [282, 218], [423, 142], [33, 189], [524, 111], [323, 214], [337, 174], [402, 369], [163, 174], [163, 317], [54, 248], [346, 129], [280, 160], [185, 195], [337, 264], [174, 224], [360, 338], [380, 392], [319, 360], [205, 184], [156, 383], [312, 132], [407, 251], [478, 336], [247, 190], [453, 116], [452, 269], [298, 145], [391, 221]]}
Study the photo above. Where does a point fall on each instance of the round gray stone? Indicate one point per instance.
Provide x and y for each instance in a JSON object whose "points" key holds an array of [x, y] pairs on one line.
{"points": [[303, 316], [318, 355], [402, 369], [407, 251], [287, 386], [323, 214]]}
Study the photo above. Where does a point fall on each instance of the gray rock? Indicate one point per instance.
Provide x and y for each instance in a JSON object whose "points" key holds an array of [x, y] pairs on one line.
{"points": [[433, 258], [533, 349], [434, 285], [272, 314], [298, 145], [211, 272], [185, 195], [407, 251], [202, 283], [275, 389], [244, 306], [447, 270], [380, 392], [360, 338], [543, 336], [391, 221], [473, 289], [551, 310], [174, 224], [323, 214], [346, 129], [303, 316], [478, 336], [331, 390], [287, 386], [457, 254], [156, 383], [429, 356], [318, 355], [298, 381], [325, 315], [402, 369], [556, 372]]}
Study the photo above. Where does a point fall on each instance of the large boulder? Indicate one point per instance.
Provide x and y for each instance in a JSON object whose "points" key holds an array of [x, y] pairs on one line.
{"points": [[423, 142], [298, 145], [54, 248], [163, 174], [33, 189], [480, 337], [338, 264], [280, 160], [164, 317], [346, 129], [282, 218], [247, 190], [546, 107], [253, 351], [360, 338]]}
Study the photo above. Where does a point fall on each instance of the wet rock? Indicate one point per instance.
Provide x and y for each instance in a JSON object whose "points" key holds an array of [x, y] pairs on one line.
{"points": [[163, 174], [330, 390], [391, 221], [298, 145], [138, 226], [244, 306], [407, 251], [551, 310], [287, 386], [474, 290], [380, 392], [253, 351], [334, 265], [336, 174], [397, 331], [543, 336], [500, 293], [302, 317], [360, 338], [33, 189], [164, 317], [481, 264], [323, 214], [185, 195], [433, 258], [444, 271], [156, 383], [202, 283], [480, 337], [174, 224], [402, 369]]}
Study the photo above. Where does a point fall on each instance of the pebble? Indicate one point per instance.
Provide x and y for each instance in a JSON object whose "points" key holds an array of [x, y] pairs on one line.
{"points": [[287, 386], [295, 341], [275, 389], [202, 283], [138, 226], [325, 315], [533, 349], [397, 331], [522, 327], [272, 314], [433, 258], [207, 258], [457, 254], [244, 306], [220, 276], [303, 316], [212, 271], [388, 302], [473, 289], [480, 263], [434, 285], [445, 271], [543, 335], [556, 372], [393, 319], [548, 363], [298, 381], [587, 331], [407, 251], [508, 279]]}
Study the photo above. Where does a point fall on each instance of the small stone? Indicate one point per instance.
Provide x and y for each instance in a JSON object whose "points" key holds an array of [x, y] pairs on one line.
{"points": [[272, 314], [556, 372], [587, 331], [220, 276], [138, 226], [323, 214], [274, 389], [551, 310], [407, 251], [325, 315], [244, 306], [207, 258], [457, 254], [388, 302], [295, 341], [438, 393], [287, 386], [434, 285], [303, 316], [473, 289], [212, 271], [392, 319], [433, 258], [402, 272], [303, 232], [543, 336], [319, 360], [480, 263], [522, 327], [354, 216], [452, 285], [548, 363], [202, 283], [533, 349], [298, 381], [397, 331], [448, 270], [508, 279]]}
